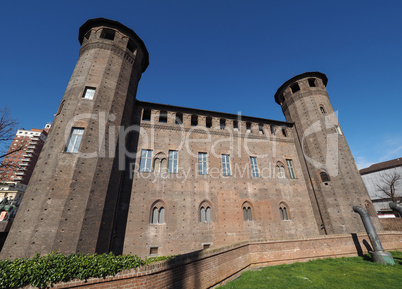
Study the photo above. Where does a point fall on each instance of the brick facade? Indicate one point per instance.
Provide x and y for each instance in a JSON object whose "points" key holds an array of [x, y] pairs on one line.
{"points": [[122, 175]]}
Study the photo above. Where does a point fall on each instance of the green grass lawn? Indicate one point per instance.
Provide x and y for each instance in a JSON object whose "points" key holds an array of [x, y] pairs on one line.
{"points": [[355, 272]]}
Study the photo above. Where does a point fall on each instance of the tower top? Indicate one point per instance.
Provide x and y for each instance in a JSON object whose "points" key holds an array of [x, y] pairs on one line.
{"points": [[117, 25], [298, 77]]}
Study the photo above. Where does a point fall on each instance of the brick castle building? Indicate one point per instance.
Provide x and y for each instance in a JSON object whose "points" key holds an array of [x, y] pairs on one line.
{"points": [[122, 175]]}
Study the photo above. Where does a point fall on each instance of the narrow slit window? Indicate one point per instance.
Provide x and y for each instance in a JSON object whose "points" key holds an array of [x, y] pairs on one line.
{"points": [[89, 93], [338, 130]]}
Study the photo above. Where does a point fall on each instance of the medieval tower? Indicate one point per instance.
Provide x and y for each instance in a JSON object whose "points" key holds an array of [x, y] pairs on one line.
{"points": [[70, 204], [186, 179], [331, 174]]}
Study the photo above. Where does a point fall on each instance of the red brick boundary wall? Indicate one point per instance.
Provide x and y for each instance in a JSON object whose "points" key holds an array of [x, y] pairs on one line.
{"points": [[391, 224], [208, 268]]}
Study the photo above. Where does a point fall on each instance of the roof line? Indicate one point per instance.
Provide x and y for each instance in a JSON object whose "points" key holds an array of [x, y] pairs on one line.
{"points": [[223, 114]]}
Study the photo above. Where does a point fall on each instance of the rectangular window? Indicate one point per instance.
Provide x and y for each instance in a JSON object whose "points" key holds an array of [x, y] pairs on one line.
{"points": [[153, 251], [172, 164], [89, 93], [202, 163], [254, 167], [146, 160], [75, 140], [226, 165], [291, 169]]}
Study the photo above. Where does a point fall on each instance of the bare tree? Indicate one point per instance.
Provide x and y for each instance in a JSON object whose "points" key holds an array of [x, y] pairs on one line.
{"points": [[388, 185], [8, 126]]}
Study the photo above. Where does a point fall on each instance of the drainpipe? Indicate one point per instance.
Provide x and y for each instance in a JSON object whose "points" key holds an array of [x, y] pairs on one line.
{"points": [[396, 207], [378, 255]]}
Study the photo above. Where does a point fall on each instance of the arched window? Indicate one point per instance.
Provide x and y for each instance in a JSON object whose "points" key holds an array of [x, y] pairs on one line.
{"points": [[322, 109], [247, 215], [280, 168], [324, 177], [158, 213], [160, 163], [283, 210], [205, 213]]}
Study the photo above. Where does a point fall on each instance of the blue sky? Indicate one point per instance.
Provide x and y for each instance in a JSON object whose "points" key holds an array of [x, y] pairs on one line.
{"points": [[226, 56]]}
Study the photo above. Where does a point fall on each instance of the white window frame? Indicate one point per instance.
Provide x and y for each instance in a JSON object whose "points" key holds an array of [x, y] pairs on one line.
{"points": [[75, 139], [291, 169], [173, 162], [226, 165], [146, 160], [89, 93], [202, 163], [254, 167]]}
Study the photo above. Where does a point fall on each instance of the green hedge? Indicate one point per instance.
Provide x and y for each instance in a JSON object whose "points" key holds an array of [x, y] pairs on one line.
{"points": [[41, 271]]}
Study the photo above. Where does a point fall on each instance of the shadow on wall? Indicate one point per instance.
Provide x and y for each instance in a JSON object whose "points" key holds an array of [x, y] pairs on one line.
{"points": [[358, 246], [185, 276]]}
